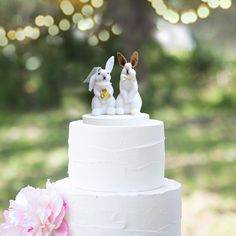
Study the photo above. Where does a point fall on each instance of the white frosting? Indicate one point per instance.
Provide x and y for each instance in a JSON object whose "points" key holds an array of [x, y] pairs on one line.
{"points": [[149, 213], [116, 120], [119, 157]]}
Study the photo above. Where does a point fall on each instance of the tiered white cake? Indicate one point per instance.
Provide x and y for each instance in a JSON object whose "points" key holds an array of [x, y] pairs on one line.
{"points": [[116, 184]]}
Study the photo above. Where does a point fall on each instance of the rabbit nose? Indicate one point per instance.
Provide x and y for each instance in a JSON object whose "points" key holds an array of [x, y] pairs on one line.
{"points": [[104, 77], [127, 71]]}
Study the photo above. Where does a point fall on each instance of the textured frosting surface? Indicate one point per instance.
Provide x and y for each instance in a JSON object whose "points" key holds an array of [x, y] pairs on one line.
{"points": [[117, 158], [149, 213]]}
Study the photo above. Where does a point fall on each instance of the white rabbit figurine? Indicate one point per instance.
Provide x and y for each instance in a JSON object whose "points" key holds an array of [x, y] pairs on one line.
{"points": [[103, 101], [129, 100]]}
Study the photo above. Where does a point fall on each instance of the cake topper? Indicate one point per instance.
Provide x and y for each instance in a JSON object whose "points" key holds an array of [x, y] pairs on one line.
{"points": [[129, 100], [103, 101]]}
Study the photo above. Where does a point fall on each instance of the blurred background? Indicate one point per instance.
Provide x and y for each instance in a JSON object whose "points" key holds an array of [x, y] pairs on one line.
{"points": [[186, 74]]}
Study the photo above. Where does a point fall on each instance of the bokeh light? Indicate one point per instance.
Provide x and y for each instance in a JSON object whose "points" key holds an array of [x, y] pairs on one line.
{"points": [[35, 33], [97, 3], [225, 4], [11, 34], [87, 10], [189, 17], [203, 11], [66, 7], [3, 41], [77, 17], [64, 24], [28, 31], [39, 20], [20, 35], [2, 32], [86, 24], [171, 16], [97, 19], [116, 29], [53, 30], [48, 20], [159, 6], [93, 40], [214, 3], [9, 50], [32, 63], [104, 35]]}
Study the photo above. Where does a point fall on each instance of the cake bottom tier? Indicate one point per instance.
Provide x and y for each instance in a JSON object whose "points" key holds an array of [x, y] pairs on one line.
{"points": [[148, 213]]}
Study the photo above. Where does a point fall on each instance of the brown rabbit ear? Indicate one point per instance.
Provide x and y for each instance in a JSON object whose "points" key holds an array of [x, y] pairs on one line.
{"points": [[121, 59], [134, 58]]}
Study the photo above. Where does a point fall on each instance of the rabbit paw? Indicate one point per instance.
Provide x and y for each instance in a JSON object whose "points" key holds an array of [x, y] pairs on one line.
{"points": [[120, 111], [111, 111], [96, 112], [135, 111]]}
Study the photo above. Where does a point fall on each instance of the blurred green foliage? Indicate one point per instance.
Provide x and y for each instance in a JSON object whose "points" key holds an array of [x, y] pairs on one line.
{"points": [[164, 78], [200, 153]]}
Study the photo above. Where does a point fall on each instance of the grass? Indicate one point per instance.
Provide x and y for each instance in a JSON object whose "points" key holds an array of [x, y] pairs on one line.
{"points": [[200, 153]]}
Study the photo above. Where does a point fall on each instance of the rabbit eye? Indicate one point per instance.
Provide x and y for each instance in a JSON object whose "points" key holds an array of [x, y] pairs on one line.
{"points": [[99, 73], [108, 73]]}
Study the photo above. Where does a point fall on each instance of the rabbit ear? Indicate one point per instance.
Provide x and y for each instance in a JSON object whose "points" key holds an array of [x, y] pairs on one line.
{"points": [[92, 82], [134, 58], [121, 59], [109, 64]]}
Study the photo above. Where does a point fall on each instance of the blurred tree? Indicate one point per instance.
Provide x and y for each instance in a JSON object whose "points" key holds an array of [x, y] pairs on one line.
{"points": [[67, 58]]}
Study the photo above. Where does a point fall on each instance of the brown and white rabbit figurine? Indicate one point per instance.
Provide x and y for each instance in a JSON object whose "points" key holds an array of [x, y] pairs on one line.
{"points": [[129, 100]]}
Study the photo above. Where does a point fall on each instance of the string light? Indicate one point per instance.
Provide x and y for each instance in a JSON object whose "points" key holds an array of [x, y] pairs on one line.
{"points": [[77, 17], [87, 10], [53, 30], [214, 3], [190, 15], [64, 25], [2, 32], [35, 33], [97, 3], [20, 35], [48, 21], [86, 24], [67, 7], [3, 41], [97, 19], [171, 16], [44, 20], [11, 34], [87, 18], [104, 35], [203, 11], [116, 29], [225, 4], [39, 21], [93, 40], [159, 6]]}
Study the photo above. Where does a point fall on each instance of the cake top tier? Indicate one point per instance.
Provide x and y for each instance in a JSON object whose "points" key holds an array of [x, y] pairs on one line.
{"points": [[117, 120]]}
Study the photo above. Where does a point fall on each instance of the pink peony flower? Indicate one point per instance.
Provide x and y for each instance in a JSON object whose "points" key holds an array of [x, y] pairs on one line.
{"points": [[36, 212]]}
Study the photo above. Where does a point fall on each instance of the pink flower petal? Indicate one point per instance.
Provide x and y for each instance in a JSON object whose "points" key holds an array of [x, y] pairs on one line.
{"points": [[62, 230], [38, 212]]}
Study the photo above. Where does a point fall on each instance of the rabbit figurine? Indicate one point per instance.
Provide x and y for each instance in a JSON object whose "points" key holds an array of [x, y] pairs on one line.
{"points": [[103, 101], [129, 100]]}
